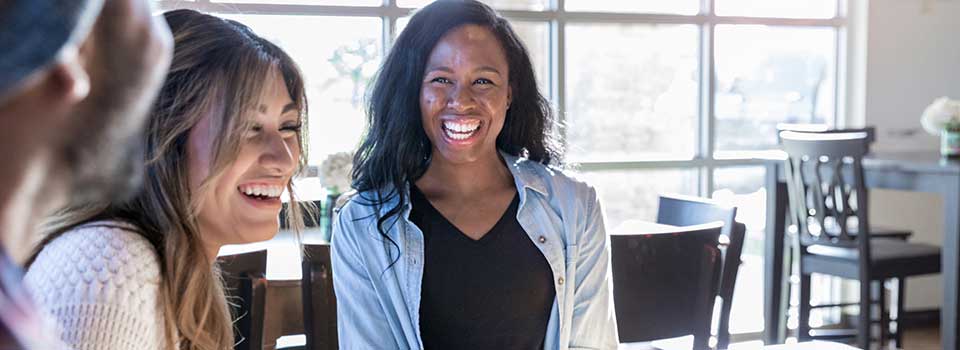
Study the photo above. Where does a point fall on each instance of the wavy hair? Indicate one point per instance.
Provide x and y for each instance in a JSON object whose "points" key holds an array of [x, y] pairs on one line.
{"points": [[219, 68], [395, 150]]}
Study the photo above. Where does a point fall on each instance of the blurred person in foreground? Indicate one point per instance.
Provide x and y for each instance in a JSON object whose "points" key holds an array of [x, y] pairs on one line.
{"points": [[76, 80]]}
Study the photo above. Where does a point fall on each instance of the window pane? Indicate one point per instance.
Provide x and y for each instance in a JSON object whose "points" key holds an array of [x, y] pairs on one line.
{"points": [[778, 8], [768, 75], [536, 37], [530, 5], [743, 187], [633, 100], [337, 69], [682, 7], [630, 195], [308, 2]]}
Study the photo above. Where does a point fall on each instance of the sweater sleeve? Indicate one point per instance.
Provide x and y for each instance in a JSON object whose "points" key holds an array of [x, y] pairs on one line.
{"points": [[101, 285]]}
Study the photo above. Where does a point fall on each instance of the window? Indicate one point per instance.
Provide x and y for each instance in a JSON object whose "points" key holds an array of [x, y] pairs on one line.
{"points": [[632, 95], [655, 96]]}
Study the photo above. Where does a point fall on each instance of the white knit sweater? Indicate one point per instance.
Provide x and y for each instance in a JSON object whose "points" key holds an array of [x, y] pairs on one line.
{"points": [[101, 283]]}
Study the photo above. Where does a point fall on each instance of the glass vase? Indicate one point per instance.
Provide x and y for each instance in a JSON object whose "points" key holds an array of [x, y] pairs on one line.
{"points": [[950, 143]]}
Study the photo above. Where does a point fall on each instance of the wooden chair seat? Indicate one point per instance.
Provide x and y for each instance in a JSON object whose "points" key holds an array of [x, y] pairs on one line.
{"points": [[889, 258]]}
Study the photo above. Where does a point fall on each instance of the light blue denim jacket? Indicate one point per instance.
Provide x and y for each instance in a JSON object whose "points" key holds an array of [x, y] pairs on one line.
{"points": [[378, 305]]}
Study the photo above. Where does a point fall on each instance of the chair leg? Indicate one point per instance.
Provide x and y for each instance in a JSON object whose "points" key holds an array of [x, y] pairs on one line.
{"points": [[803, 327], [863, 328], [898, 326], [880, 291], [723, 329]]}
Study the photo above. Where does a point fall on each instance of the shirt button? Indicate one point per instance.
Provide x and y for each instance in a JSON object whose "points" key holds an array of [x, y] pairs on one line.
{"points": [[560, 280], [542, 239]]}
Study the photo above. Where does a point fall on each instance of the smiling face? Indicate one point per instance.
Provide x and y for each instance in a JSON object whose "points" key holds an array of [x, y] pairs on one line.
{"points": [[242, 204], [465, 95]]}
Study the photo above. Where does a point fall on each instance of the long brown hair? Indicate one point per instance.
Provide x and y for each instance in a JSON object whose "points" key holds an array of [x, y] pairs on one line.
{"points": [[219, 68]]}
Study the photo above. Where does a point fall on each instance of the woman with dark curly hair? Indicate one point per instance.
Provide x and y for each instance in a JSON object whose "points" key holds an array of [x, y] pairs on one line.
{"points": [[464, 233]]}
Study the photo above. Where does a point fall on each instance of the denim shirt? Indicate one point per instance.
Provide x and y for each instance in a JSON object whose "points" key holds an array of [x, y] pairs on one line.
{"points": [[378, 304]]}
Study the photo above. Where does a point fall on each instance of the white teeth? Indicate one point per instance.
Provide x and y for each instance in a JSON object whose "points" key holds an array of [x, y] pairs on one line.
{"points": [[457, 136], [261, 190], [460, 130], [461, 126]]}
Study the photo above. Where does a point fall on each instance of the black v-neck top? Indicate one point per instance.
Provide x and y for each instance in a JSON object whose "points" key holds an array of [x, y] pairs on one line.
{"points": [[491, 293]]}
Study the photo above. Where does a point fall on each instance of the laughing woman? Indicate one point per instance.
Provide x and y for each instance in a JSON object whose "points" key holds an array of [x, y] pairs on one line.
{"points": [[222, 142], [464, 234]]}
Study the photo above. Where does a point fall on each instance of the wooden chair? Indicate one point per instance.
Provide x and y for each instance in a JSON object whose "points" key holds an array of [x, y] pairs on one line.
{"points": [[244, 277], [269, 309], [829, 205], [319, 301], [685, 211], [877, 231], [665, 284]]}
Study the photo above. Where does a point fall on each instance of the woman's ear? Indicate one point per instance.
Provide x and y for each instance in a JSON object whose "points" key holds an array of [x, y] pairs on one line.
{"points": [[67, 81]]}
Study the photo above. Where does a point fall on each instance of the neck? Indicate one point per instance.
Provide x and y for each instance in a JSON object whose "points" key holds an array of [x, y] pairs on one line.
{"points": [[466, 179], [211, 247], [28, 193], [212, 250], [29, 182]]}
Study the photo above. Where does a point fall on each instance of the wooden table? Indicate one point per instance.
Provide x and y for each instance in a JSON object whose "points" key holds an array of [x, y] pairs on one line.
{"points": [[283, 257], [814, 345], [685, 343], [907, 171]]}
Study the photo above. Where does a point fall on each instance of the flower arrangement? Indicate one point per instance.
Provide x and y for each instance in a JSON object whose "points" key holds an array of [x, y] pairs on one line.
{"points": [[941, 115], [335, 172]]}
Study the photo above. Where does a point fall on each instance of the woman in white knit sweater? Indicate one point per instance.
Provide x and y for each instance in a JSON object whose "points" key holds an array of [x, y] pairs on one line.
{"points": [[222, 143]]}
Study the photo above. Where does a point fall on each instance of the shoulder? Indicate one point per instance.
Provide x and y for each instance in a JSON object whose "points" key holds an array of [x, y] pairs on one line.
{"points": [[357, 207], [565, 183], [101, 262]]}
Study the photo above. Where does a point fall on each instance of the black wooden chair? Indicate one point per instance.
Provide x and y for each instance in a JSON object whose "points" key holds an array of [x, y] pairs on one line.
{"points": [[828, 203], [665, 284], [268, 309], [319, 301], [685, 211], [244, 277], [876, 231]]}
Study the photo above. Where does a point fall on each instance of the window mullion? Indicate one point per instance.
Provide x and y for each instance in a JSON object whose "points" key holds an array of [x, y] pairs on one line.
{"points": [[558, 74], [706, 115]]}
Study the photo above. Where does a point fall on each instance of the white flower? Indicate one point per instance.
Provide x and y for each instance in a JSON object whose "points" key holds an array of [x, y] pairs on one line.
{"points": [[335, 172], [940, 114]]}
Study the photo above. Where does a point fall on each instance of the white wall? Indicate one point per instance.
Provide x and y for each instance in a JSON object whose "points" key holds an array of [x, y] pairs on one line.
{"points": [[913, 56]]}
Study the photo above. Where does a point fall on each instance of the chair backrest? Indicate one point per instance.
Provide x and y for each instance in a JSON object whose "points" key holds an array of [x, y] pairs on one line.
{"points": [[664, 285], [244, 276], [265, 310], [680, 210], [825, 129], [824, 173], [319, 301]]}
